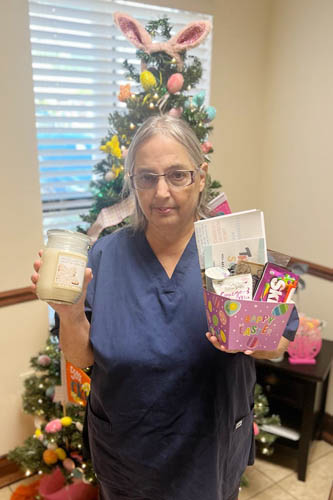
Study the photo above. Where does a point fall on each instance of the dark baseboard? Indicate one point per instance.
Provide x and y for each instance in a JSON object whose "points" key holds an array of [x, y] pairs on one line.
{"points": [[10, 472]]}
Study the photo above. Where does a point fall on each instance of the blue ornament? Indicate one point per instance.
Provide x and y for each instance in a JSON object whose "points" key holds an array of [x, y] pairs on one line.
{"points": [[50, 392], [199, 99], [211, 113]]}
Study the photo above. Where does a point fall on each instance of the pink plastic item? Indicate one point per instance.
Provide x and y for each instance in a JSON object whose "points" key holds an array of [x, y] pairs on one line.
{"points": [[53, 487], [307, 343]]}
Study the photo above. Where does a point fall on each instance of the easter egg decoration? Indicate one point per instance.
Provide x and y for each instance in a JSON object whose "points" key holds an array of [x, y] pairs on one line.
{"points": [[199, 99], [232, 307], [50, 457], [175, 83], [147, 80], [211, 113], [280, 309]]}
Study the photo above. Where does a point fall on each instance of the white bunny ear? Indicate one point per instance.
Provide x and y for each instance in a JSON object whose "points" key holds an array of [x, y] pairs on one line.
{"points": [[133, 30], [191, 36]]}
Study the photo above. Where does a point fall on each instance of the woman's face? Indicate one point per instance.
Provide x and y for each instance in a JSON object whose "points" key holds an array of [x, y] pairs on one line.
{"points": [[164, 207]]}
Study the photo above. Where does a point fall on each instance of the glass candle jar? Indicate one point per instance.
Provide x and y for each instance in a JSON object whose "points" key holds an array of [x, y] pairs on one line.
{"points": [[64, 261]]}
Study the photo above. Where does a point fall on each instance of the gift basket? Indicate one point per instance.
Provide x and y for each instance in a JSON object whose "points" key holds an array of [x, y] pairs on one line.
{"points": [[247, 292]]}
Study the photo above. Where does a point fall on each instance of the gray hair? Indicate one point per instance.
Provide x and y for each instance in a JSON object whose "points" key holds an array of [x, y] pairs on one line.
{"points": [[174, 128]]}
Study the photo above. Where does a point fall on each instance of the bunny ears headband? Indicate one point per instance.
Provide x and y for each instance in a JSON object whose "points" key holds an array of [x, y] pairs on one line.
{"points": [[189, 37]]}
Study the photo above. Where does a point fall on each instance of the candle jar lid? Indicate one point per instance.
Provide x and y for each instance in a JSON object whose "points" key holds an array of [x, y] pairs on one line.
{"points": [[68, 240]]}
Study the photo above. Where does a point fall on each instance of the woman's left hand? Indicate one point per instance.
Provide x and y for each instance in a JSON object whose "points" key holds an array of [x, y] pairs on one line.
{"points": [[282, 347]]}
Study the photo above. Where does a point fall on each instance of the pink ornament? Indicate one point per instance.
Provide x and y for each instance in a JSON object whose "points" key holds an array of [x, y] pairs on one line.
{"points": [[207, 147], [69, 464], [54, 426], [255, 428], [175, 83], [176, 112], [44, 360]]}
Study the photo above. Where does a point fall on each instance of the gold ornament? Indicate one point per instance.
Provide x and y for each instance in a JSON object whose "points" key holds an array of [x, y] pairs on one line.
{"points": [[61, 454], [156, 96], [189, 87], [132, 126], [173, 60], [109, 176], [147, 80], [151, 105]]}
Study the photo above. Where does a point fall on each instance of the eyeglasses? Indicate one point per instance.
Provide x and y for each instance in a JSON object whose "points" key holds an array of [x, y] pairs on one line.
{"points": [[177, 179]]}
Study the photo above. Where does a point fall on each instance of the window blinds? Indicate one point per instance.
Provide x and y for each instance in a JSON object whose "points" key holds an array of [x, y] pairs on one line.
{"points": [[77, 55]]}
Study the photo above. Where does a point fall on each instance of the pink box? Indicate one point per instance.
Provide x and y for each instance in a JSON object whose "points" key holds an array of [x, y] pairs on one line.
{"points": [[246, 324]]}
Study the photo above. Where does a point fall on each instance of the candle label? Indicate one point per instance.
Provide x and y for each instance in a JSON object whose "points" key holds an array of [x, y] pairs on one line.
{"points": [[70, 272]]}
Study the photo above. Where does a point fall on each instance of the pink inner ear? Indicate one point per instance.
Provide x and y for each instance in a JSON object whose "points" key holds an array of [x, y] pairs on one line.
{"points": [[191, 35], [130, 30]]}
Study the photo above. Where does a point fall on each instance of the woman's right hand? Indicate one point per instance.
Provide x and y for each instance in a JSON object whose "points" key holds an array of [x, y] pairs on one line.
{"points": [[66, 312]]}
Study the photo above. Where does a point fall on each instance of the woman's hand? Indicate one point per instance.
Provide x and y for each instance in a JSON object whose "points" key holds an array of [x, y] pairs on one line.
{"points": [[70, 312], [74, 326], [213, 340], [282, 347], [277, 353]]}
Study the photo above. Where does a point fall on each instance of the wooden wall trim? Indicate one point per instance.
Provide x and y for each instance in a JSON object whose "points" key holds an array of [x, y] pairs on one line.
{"points": [[16, 296], [314, 269]]}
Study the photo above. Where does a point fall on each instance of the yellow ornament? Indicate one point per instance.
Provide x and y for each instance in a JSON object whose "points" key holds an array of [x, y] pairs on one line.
{"points": [[38, 432], [61, 454], [147, 80], [66, 421], [50, 457], [112, 147]]}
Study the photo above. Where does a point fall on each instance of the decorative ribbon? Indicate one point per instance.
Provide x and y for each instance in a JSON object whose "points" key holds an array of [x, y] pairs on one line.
{"points": [[111, 216]]}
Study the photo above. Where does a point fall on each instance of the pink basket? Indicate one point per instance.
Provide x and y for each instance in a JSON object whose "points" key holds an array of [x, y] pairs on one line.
{"points": [[307, 343]]}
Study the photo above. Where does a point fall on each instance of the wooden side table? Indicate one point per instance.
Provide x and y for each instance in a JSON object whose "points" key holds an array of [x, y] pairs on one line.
{"points": [[298, 394]]}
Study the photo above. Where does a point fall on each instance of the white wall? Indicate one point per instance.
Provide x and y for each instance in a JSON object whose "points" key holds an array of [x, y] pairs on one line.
{"points": [[23, 327], [296, 170]]}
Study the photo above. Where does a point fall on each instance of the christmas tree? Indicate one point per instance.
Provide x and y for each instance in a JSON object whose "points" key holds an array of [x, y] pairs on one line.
{"points": [[262, 417], [57, 441], [165, 84]]}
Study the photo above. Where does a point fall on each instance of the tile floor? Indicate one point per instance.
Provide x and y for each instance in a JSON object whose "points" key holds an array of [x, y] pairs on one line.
{"points": [[275, 479]]}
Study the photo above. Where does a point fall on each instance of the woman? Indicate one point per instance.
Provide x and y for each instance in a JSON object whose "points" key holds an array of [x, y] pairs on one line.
{"points": [[169, 417]]}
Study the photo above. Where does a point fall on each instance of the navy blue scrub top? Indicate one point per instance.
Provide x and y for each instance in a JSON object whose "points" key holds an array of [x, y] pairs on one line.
{"points": [[169, 416]]}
